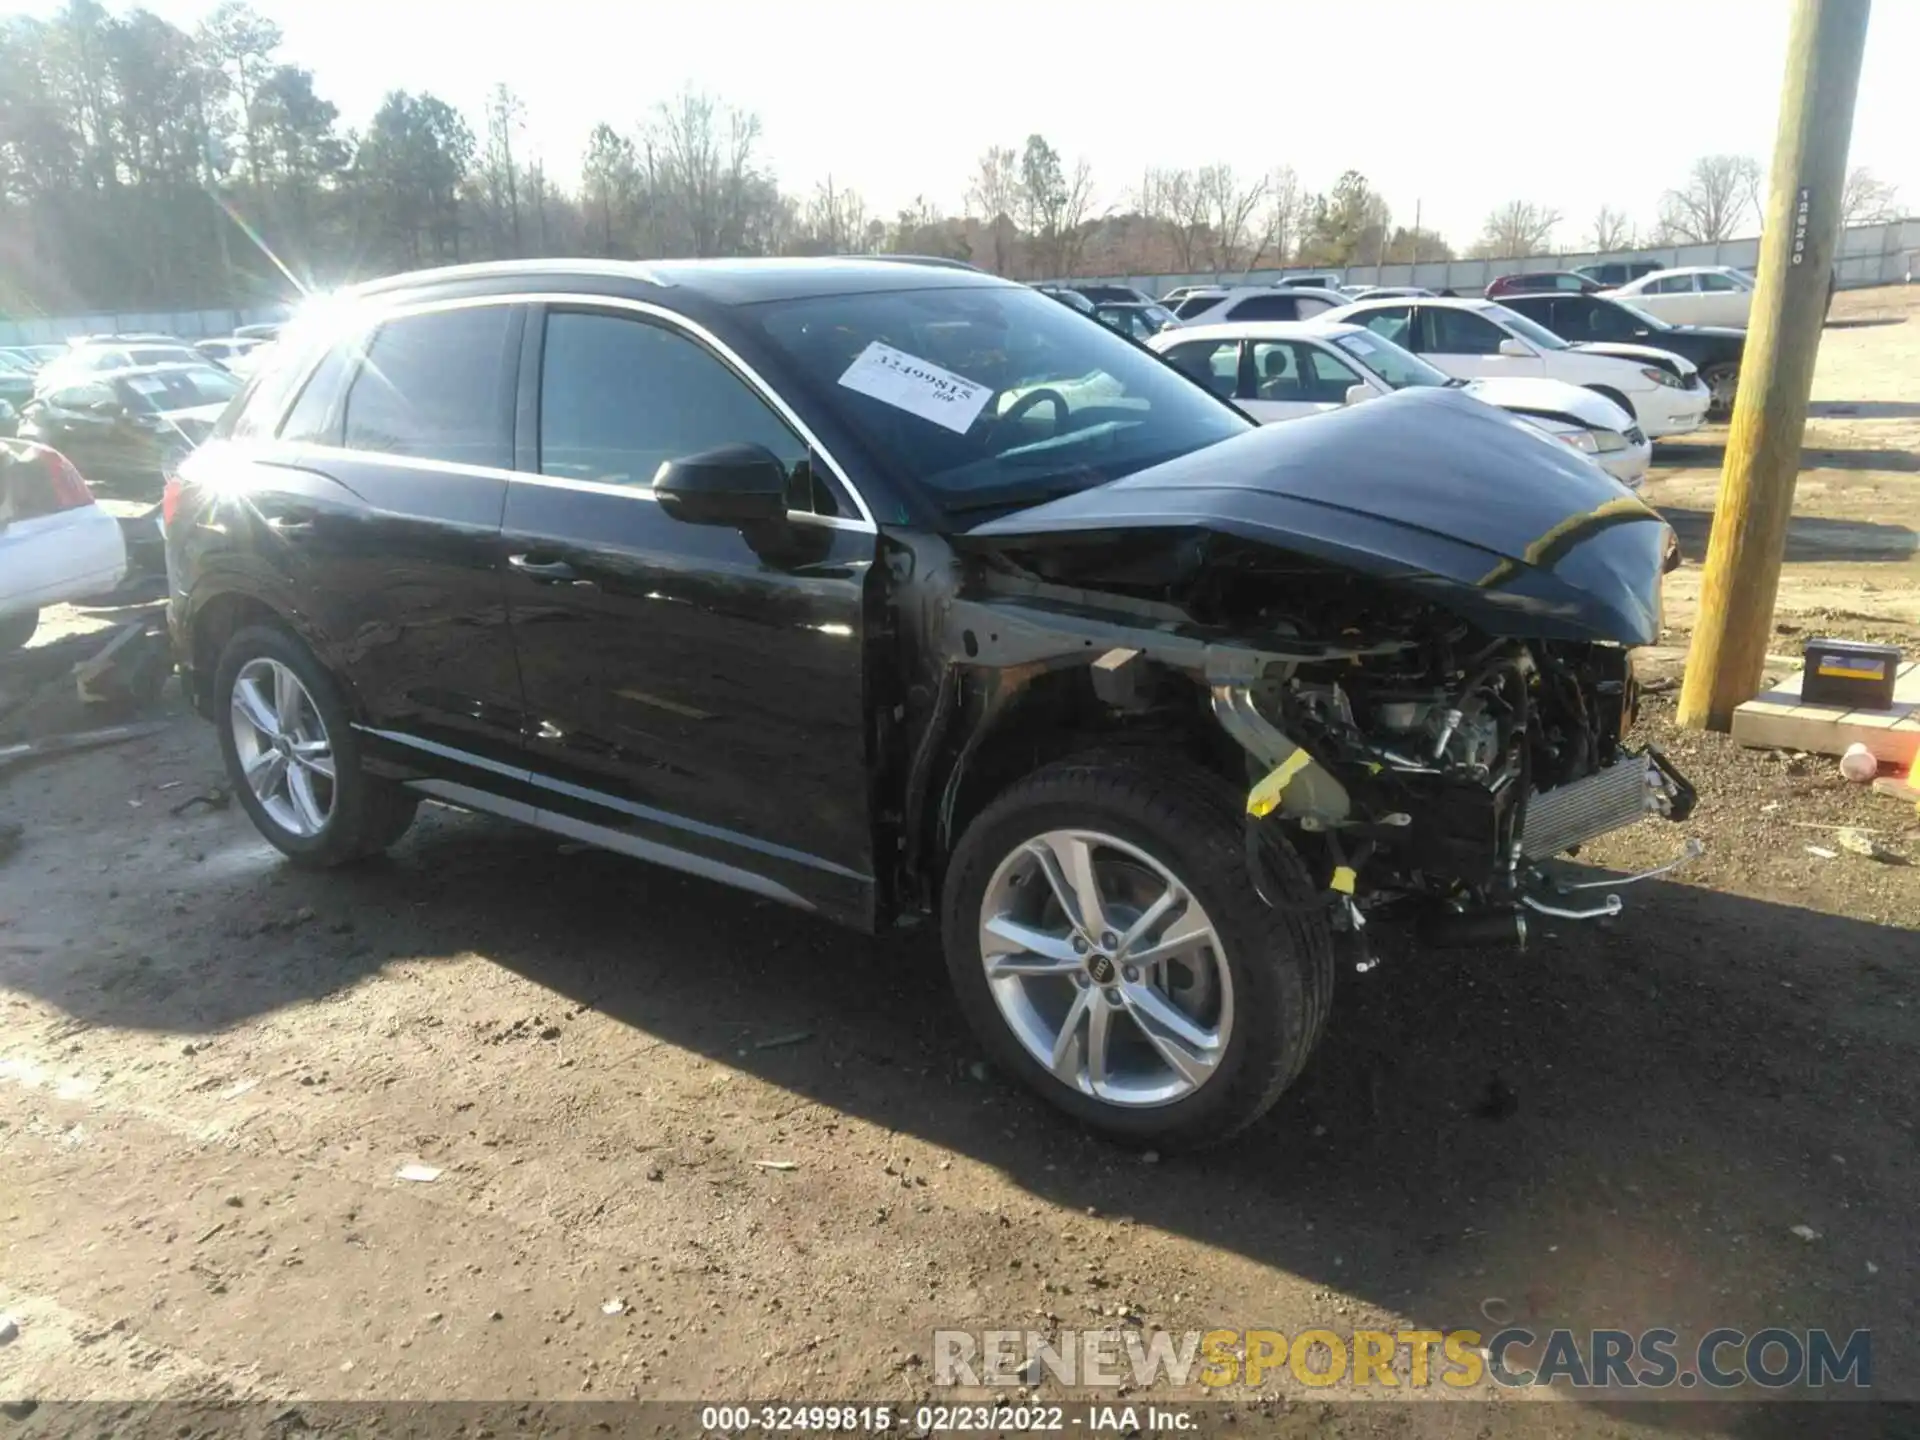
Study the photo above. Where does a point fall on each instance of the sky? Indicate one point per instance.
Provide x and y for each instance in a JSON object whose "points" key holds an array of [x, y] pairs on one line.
{"points": [[1449, 107]]}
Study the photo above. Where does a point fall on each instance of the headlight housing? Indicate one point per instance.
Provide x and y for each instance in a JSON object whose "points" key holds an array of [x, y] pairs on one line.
{"points": [[1582, 440], [1662, 377], [1606, 442]]}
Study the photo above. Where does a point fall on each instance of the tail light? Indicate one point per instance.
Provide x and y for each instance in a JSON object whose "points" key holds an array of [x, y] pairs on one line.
{"points": [[69, 489], [173, 487]]}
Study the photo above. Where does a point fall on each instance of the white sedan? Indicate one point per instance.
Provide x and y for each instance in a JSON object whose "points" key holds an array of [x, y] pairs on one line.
{"points": [[1483, 340], [56, 544], [1692, 295], [1283, 371]]}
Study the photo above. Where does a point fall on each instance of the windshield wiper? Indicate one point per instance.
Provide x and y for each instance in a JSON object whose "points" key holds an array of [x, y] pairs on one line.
{"points": [[1015, 498]]}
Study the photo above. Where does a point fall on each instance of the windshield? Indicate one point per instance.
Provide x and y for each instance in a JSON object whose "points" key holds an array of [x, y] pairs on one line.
{"points": [[178, 389], [1645, 317], [1527, 329], [990, 397], [1396, 367]]}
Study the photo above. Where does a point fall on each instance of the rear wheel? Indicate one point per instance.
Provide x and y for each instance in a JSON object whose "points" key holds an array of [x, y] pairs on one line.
{"points": [[1108, 946], [1723, 381], [16, 630], [293, 756]]}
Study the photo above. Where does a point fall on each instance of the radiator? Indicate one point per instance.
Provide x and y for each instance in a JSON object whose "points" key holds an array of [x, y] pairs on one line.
{"points": [[1624, 792]]}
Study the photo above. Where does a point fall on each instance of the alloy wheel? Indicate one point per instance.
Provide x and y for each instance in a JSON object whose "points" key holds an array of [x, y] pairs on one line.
{"points": [[285, 753], [1106, 968]]}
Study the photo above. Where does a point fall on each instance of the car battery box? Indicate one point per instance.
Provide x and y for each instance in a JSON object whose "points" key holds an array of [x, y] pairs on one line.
{"points": [[1851, 674]]}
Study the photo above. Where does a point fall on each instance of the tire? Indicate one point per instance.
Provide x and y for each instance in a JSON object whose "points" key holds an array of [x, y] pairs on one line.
{"points": [[1277, 961], [1608, 392], [16, 630], [363, 814], [1719, 378]]}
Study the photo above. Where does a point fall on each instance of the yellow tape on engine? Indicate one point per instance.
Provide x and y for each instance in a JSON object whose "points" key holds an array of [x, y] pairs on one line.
{"points": [[1265, 796], [1343, 878]]}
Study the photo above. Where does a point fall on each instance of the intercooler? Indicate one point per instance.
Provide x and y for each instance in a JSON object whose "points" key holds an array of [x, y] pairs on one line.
{"points": [[1622, 793]]}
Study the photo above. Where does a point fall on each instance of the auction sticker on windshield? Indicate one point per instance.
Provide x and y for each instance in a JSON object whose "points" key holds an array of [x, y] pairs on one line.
{"points": [[917, 386]]}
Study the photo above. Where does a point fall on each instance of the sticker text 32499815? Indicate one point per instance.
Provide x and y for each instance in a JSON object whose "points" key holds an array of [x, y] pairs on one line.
{"points": [[917, 386]]}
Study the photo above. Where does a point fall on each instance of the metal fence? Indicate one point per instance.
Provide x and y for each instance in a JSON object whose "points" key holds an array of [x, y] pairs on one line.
{"points": [[187, 324], [1886, 254]]}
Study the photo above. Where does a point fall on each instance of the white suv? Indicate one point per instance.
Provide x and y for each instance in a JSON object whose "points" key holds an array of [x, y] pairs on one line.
{"points": [[1479, 339], [1217, 304]]}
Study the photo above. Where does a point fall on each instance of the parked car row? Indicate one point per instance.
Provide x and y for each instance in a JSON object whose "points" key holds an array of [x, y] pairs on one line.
{"points": [[1696, 313], [1284, 371]]}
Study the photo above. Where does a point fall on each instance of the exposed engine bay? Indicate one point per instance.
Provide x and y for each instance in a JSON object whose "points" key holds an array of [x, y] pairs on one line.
{"points": [[1401, 750]]}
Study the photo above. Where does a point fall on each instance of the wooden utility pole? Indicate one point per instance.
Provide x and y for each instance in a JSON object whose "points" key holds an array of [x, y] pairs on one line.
{"points": [[1798, 234]]}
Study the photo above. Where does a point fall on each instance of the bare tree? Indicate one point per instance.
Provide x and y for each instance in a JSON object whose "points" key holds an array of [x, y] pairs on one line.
{"points": [[610, 188], [699, 160], [1076, 217], [1281, 221], [1612, 230], [1173, 200], [836, 220], [1517, 228], [1230, 208], [992, 196], [500, 177], [1720, 193], [1867, 200]]}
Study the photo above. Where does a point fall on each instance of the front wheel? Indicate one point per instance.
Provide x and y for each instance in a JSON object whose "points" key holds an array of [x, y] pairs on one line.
{"points": [[1108, 946], [293, 757]]}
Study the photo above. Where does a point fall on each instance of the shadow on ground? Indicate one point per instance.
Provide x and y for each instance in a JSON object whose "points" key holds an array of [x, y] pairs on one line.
{"points": [[1809, 538], [1693, 454], [1864, 410], [1620, 1129]]}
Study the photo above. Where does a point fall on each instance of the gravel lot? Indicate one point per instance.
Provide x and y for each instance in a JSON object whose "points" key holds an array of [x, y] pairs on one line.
{"points": [[212, 1068]]}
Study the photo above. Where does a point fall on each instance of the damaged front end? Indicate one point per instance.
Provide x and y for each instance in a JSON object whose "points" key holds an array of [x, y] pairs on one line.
{"points": [[1412, 622]]}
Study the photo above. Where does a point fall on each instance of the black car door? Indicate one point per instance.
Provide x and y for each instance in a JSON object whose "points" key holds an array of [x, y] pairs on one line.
{"points": [[693, 697], [382, 518], [77, 421]]}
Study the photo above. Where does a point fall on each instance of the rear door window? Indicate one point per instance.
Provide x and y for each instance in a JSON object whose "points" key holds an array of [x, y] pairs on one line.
{"points": [[1459, 332], [1266, 307], [437, 386], [1214, 363], [1391, 322]]}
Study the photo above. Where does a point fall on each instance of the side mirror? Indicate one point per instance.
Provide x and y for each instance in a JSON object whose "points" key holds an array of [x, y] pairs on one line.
{"points": [[727, 485], [1357, 393], [106, 409], [1515, 349]]}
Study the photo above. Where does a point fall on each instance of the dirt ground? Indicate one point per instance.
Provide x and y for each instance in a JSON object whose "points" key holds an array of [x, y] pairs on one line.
{"points": [[773, 1145]]}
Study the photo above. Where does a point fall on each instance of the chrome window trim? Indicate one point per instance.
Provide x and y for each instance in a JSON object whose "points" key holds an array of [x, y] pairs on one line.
{"points": [[368, 314]]}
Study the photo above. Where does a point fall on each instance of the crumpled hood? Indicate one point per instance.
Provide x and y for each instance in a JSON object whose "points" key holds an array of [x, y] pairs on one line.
{"points": [[1650, 354], [1538, 394], [1426, 489]]}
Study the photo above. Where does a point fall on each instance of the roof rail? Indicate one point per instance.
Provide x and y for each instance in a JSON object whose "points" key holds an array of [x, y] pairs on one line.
{"points": [[942, 261]]}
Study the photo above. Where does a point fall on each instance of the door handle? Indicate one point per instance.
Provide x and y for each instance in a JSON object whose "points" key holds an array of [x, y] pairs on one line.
{"points": [[547, 570], [289, 527]]}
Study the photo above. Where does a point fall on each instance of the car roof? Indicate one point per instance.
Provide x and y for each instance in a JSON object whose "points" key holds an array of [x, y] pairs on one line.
{"points": [[174, 367], [722, 282], [1314, 329], [1450, 302]]}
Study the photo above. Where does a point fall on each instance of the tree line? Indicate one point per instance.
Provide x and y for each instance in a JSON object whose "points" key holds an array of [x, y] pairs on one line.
{"points": [[143, 165]]}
